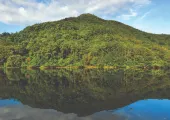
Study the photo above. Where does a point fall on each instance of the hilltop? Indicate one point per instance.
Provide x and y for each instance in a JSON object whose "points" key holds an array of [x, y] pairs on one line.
{"points": [[86, 40]]}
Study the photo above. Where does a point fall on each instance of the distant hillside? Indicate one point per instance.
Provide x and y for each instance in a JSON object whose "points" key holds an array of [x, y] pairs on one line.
{"points": [[86, 40]]}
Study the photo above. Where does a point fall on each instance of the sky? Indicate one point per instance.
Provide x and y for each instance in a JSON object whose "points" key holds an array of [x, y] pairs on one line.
{"points": [[148, 15]]}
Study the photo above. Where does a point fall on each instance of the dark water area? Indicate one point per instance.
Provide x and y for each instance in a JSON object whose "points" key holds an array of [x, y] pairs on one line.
{"points": [[84, 94]]}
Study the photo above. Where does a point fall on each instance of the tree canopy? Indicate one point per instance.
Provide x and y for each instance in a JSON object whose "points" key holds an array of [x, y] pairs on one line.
{"points": [[84, 40]]}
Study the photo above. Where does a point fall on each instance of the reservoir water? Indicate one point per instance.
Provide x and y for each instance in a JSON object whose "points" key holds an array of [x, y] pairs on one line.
{"points": [[84, 94]]}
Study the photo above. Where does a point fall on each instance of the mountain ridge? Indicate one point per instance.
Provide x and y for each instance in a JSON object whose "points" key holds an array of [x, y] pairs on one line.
{"points": [[86, 40], [94, 16]]}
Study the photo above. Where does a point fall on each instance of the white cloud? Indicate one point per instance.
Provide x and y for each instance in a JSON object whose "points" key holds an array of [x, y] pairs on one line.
{"points": [[141, 22], [21, 112], [145, 15], [131, 14], [26, 12]]}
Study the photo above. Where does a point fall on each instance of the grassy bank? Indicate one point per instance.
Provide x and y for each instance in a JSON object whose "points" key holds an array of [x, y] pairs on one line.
{"points": [[89, 67]]}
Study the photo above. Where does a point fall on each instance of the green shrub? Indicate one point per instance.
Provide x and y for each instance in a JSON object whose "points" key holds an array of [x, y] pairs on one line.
{"points": [[14, 61]]}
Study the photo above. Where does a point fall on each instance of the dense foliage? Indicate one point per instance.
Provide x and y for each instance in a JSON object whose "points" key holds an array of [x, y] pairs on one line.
{"points": [[85, 40]]}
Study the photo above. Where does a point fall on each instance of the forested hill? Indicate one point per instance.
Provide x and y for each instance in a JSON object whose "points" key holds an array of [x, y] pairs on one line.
{"points": [[86, 40]]}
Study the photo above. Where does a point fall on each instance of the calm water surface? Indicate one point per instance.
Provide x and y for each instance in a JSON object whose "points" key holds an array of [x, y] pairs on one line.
{"points": [[84, 94]]}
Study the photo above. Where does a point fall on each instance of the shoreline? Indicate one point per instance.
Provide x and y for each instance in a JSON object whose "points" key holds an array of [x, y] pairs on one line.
{"points": [[87, 67]]}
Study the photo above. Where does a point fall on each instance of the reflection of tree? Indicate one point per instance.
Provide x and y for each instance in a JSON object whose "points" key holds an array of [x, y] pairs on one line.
{"points": [[75, 90], [14, 75]]}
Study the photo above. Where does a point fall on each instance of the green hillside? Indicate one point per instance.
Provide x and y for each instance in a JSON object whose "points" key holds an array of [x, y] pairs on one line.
{"points": [[83, 41]]}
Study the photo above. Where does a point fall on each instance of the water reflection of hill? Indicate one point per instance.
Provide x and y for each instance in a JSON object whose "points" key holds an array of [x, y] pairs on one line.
{"points": [[83, 92]]}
